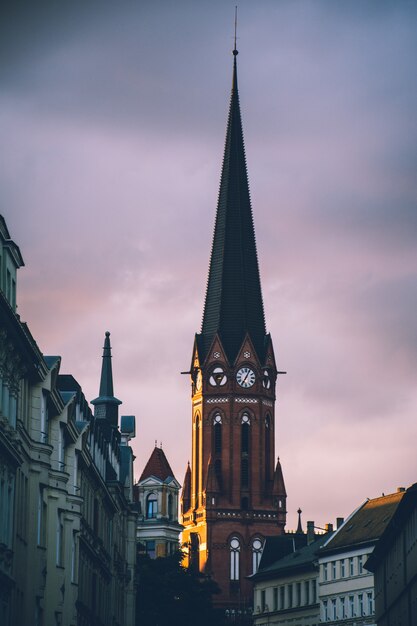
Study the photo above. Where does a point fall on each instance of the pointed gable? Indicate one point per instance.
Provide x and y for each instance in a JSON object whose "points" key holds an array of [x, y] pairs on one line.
{"points": [[233, 305], [157, 466]]}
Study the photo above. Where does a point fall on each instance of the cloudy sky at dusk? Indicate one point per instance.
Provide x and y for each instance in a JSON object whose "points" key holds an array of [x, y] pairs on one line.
{"points": [[112, 119]]}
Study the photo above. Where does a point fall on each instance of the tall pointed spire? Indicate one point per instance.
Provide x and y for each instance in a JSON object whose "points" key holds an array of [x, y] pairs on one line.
{"points": [[106, 405], [233, 305]]}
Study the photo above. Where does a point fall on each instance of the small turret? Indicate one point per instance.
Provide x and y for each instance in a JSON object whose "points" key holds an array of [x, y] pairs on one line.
{"points": [[186, 490], [106, 406], [279, 493]]}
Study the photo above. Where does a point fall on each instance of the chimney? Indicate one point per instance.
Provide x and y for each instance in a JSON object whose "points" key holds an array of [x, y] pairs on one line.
{"points": [[310, 533], [339, 521], [328, 528]]}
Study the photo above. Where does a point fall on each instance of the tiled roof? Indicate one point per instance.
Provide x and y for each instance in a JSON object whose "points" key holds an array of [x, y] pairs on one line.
{"points": [[367, 524], [233, 305], [286, 553], [157, 466]]}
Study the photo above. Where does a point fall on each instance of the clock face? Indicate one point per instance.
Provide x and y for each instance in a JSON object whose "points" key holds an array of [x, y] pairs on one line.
{"points": [[199, 380], [266, 380], [218, 378], [245, 376]]}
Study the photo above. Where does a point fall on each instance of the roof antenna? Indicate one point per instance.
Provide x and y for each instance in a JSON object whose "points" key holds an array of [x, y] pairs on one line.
{"points": [[235, 52]]}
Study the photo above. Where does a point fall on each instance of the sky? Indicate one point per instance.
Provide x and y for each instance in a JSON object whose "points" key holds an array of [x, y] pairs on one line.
{"points": [[113, 119]]}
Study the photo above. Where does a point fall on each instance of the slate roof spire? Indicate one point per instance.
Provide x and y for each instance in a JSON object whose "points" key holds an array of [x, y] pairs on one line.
{"points": [[106, 405], [233, 305]]}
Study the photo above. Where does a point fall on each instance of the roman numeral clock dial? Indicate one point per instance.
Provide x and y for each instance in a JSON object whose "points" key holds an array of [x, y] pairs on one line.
{"points": [[245, 377]]}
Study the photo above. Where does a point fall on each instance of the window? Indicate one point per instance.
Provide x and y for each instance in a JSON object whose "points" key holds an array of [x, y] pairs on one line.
{"points": [[197, 461], [218, 472], [351, 567], [74, 564], [150, 549], [370, 600], [360, 604], [360, 564], [334, 570], [307, 591], [195, 552], [342, 608], [61, 448], [151, 506], [244, 473], [256, 554], [263, 602], [298, 594], [170, 508], [351, 606], [41, 531], [234, 558], [60, 539], [44, 418], [325, 614], [281, 597], [275, 599], [217, 426], [342, 568], [245, 434], [334, 613], [290, 598], [267, 448], [325, 572]]}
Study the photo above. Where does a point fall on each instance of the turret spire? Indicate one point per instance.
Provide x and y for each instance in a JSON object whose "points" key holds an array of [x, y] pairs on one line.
{"points": [[233, 305], [106, 405]]}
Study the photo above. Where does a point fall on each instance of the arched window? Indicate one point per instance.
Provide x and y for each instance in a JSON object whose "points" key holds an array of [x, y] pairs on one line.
{"points": [[245, 429], [194, 552], [170, 508], [267, 448], [256, 554], [244, 473], [151, 506], [244, 451], [217, 426], [197, 460], [234, 558], [218, 472]]}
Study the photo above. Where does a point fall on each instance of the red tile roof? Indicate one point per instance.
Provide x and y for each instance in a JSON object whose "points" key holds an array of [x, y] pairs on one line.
{"points": [[157, 466]]}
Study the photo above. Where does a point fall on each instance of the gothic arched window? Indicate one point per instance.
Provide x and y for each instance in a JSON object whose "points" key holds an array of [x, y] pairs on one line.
{"points": [[234, 558], [267, 448], [197, 460], [245, 429], [218, 472], [244, 473], [256, 554], [217, 427], [151, 506], [244, 451]]}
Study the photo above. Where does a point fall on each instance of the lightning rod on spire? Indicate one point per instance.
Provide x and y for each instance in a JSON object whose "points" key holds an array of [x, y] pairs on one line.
{"points": [[235, 52]]}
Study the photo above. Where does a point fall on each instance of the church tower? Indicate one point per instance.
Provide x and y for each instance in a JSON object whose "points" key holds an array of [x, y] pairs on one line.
{"points": [[234, 493]]}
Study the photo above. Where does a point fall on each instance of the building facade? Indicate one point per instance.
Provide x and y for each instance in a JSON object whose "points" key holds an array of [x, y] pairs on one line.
{"points": [[51, 446], [156, 494], [234, 493], [346, 588], [286, 590], [394, 565]]}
